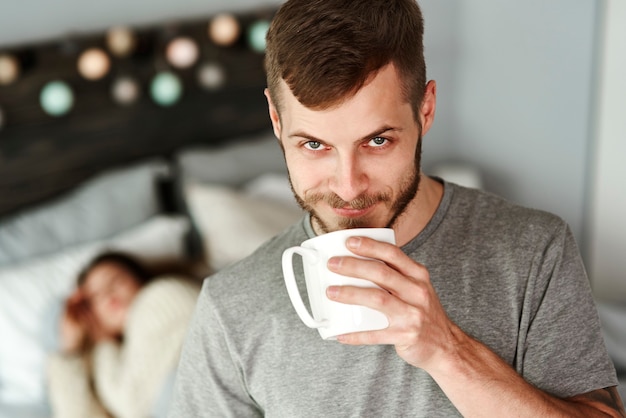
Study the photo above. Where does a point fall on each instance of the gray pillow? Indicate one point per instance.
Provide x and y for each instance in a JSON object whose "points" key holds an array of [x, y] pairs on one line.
{"points": [[233, 165], [99, 208]]}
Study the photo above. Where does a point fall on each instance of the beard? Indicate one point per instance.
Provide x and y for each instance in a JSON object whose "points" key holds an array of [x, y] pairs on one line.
{"points": [[408, 189]]}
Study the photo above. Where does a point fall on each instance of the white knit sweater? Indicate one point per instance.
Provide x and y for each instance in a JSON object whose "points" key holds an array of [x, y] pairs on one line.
{"points": [[127, 378]]}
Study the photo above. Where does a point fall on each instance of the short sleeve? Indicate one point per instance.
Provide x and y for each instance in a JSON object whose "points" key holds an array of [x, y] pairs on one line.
{"points": [[563, 352]]}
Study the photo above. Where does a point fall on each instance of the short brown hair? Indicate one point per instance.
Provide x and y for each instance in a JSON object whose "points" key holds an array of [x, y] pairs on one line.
{"points": [[326, 50]]}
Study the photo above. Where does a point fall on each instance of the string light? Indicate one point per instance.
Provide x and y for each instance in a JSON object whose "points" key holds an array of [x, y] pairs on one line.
{"points": [[211, 76], [224, 29], [9, 69], [93, 64], [56, 98], [166, 88], [125, 90], [182, 52], [256, 35], [121, 41]]}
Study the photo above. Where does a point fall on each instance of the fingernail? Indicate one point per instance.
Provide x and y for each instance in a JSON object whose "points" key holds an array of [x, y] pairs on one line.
{"points": [[332, 291], [354, 242], [334, 263]]}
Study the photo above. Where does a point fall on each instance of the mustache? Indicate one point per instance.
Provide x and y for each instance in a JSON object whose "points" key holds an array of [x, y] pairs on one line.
{"points": [[360, 202]]}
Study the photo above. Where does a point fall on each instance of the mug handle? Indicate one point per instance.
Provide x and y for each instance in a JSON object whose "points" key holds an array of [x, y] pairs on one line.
{"points": [[292, 287]]}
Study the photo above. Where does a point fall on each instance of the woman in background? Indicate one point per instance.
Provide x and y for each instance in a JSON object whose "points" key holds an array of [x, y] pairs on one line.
{"points": [[121, 334]]}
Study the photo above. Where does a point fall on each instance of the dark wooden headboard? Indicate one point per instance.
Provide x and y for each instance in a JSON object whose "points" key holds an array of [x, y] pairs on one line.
{"points": [[42, 155]]}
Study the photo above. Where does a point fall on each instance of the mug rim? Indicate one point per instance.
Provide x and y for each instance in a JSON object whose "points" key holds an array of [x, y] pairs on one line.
{"points": [[346, 231]]}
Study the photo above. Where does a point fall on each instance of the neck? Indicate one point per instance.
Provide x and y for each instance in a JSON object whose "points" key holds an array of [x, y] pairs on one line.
{"points": [[420, 211]]}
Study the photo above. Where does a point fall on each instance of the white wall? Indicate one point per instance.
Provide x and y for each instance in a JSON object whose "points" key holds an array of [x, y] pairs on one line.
{"points": [[515, 81], [607, 219]]}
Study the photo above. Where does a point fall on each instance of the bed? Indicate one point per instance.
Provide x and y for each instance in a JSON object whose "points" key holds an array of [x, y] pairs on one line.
{"points": [[197, 184]]}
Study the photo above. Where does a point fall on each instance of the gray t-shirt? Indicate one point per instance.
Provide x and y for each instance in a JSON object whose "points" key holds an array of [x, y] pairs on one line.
{"points": [[510, 277]]}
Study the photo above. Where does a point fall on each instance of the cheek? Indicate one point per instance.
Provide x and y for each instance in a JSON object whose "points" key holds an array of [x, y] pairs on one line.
{"points": [[305, 175], [100, 311]]}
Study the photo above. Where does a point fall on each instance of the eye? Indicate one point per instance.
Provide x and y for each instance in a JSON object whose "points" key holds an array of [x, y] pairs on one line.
{"points": [[378, 141], [313, 145]]}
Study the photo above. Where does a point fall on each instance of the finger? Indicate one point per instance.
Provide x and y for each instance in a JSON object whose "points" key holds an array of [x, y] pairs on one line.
{"points": [[377, 299], [408, 288], [390, 254], [76, 296], [388, 336], [367, 338], [74, 312]]}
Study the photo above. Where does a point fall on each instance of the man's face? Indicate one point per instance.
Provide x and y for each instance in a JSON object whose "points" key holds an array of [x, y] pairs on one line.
{"points": [[354, 164]]}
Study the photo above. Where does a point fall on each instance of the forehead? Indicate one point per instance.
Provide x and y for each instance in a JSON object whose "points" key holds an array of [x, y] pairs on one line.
{"points": [[380, 102], [104, 273]]}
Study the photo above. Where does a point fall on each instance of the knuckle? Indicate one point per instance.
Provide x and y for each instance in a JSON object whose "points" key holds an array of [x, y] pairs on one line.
{"points": [[414, 316], [420, 292], [379, 270], [380, 298]]}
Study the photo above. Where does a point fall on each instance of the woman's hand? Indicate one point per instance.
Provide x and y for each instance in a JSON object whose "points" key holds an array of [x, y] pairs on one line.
{"points": [[80, 328], [73, 331]]}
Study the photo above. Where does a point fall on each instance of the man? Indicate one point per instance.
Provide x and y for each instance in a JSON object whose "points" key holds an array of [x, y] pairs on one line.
{"points": [[489, 307]]}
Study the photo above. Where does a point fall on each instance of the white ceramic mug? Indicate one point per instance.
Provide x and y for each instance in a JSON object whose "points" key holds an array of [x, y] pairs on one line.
{"points": [[329, 317]]}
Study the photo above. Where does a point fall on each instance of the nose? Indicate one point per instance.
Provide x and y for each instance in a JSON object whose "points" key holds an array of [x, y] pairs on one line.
{"points": [[349, 180]]}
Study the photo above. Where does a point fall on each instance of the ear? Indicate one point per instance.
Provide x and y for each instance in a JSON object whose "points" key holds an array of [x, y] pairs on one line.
{"points": [[429, 104], [274, 117]]}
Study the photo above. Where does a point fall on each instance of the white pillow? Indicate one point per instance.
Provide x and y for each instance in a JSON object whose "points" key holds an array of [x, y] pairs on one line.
{"points": [[232, 223], [32, 293], [101, 207], [270, 186], [233, 163]]}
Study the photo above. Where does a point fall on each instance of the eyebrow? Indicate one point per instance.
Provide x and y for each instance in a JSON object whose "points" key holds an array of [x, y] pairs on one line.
{"points": [[380, 131]]}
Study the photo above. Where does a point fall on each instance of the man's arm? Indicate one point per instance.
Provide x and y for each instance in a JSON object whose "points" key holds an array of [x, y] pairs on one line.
{"points": [[606, 400], [475, 379], [498, 390]]}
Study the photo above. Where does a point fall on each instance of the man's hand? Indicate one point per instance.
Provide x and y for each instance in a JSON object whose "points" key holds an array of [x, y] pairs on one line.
{"points": [[418, 325]]}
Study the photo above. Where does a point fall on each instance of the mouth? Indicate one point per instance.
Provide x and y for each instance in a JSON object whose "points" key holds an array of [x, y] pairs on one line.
{"points": [[348, 212]]}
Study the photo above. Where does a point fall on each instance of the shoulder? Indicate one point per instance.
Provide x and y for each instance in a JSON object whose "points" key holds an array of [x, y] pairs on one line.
{"points": [[255, 277], [170, 287], [485, 211], [172, 295]]}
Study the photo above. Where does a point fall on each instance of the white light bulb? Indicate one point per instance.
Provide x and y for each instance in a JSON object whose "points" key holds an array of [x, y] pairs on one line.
{"points": [[224, 29], [125, 90], [182, 52], [121, 41], [93, 64], [9, 69]]}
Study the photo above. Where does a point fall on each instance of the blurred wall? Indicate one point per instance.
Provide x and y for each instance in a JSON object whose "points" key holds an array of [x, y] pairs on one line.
{"points": [[607, 217], [31, 20], [515, 83]]}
